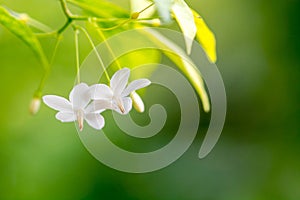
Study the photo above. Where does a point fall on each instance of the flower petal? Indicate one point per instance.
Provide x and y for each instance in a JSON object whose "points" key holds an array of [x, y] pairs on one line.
{"points": [[98, 106], [57, 103], [206, 38], [185, 18], [95, 120], [65, 117], [80, 96], [135, 85], [164, 8], [101, 91], [119, 81], [126, 104]]}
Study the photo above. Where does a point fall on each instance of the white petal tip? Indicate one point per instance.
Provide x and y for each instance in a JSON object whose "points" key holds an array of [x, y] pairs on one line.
{"points": [[148, 82]]}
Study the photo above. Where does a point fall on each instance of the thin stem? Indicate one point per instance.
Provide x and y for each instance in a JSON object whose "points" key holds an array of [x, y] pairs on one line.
{"points": [[95, 49], [58, 39], [99, 30], [109, 48], [97, 19], [64, 6], [76, 32], [38, 92], [127, 20], [53, 33], [38, 25], [70, 18], [65, 26], [68, 14], [146, 8], [116, 26]]}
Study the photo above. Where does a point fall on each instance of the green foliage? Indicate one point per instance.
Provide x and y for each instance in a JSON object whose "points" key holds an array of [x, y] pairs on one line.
{"points": [[104, 9], [19, 28], [258, 154], [205, 37], [109, 17], [101, 8], [104, 19], [184, 64]]}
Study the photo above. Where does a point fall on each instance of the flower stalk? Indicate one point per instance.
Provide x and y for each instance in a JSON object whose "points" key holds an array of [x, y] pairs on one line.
{"points": [[76, 32], [94, 48]]}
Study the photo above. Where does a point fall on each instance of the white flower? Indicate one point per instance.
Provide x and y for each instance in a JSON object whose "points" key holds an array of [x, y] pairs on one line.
{"points": [[118, 94], [78, 107]]}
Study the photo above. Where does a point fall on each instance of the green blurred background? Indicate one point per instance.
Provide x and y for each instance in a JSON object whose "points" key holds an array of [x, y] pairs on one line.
{"points": [[256, 158]]}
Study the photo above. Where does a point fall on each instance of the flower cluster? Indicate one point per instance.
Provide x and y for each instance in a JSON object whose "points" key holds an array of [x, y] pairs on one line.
{"points": [[86, 103]]}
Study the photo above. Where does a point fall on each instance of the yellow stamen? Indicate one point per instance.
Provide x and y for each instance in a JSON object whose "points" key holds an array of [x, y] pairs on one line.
{"points": [[80, 119], [121, 108]]}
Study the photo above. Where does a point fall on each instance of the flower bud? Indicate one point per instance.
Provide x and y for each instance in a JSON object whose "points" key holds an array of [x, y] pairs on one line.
{"points": [[135, 15], [156, 22], [137, 102], [34, 105], [152, 22]]}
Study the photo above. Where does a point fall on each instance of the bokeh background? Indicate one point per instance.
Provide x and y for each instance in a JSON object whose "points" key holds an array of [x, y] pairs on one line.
{"points": [[256, 158]]}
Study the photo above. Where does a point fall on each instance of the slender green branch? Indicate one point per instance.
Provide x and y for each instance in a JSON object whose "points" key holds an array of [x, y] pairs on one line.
{"points": [[76, 32], [68, 14], [70, 18], [94, 48], [38, 92], [57, 42], [53, 33], [133, 17], [116, 26], [146, 8], [100, 32], [64, 6], [108, 46], [65, 26]]}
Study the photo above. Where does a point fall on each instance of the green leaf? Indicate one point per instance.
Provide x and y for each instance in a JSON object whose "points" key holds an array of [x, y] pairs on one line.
{"points": [[206, 38], [30, 21], [19, 28], [101, 8], [184, 63], [185, 18], [106, 10]]}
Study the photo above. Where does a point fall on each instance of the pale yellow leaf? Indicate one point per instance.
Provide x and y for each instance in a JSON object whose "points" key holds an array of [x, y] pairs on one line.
{"points": [[184, 64], [205, 37]]}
